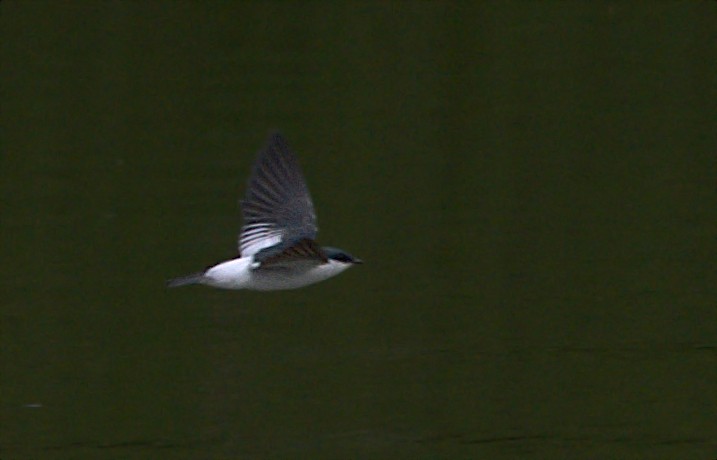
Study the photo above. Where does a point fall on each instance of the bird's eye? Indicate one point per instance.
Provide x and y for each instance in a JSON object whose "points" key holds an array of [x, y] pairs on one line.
{"points": [[343, 258]]}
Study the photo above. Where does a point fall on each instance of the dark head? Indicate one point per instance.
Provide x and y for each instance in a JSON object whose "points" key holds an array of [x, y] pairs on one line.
{"points": [[340, 256]]}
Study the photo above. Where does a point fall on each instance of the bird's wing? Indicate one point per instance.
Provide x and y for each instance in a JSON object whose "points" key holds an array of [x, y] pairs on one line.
{"points": [[277, 206], [304, 250]]}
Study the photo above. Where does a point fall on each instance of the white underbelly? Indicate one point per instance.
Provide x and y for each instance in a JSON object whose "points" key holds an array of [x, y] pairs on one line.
{"points": [[277, 278], [238, 274]]}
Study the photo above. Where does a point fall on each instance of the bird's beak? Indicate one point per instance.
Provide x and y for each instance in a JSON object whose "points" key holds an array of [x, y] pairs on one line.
{"points": [[357, 261]]}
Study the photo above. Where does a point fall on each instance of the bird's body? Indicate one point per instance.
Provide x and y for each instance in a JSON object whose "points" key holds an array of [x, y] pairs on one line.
{"points": [[238, 274], [277, 246]]}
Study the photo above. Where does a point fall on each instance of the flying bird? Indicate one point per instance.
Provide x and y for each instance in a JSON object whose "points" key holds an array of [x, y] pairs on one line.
{"points": [[277, 243]]}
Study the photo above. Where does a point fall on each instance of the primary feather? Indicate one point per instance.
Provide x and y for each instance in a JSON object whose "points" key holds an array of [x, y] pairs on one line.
{"points": [[277, 206]]}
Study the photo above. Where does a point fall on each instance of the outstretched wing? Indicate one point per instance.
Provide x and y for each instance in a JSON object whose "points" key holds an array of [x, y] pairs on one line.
{"points": [[277, 206]]}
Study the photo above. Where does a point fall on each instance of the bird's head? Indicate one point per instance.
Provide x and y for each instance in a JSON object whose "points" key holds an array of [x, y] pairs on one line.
{"points": [[339, 255]]}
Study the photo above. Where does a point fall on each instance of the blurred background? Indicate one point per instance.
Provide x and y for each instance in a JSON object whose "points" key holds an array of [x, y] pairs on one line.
{"points": [[532, 186]]}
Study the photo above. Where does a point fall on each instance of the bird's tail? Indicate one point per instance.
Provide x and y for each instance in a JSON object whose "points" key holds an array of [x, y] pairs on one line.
{"points": [[194, 278]]}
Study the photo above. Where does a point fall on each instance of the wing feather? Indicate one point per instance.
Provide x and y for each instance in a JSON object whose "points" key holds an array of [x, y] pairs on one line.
{"points": [[277, 206], [304, 250]]}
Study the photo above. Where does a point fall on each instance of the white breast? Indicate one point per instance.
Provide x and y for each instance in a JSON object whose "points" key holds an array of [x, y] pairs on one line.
{"points": [[294, 276], [238, 274]]}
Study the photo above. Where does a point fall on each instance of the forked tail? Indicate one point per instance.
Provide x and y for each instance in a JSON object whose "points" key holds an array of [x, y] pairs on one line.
{"points": [[194, 278]]}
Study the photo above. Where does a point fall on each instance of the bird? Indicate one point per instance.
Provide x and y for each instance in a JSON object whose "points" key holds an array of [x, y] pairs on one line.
{"points": [[277, 242]]}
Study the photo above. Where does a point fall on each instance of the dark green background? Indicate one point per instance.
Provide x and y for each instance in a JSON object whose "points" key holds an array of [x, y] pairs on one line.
{"points": [[533, 187]]}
